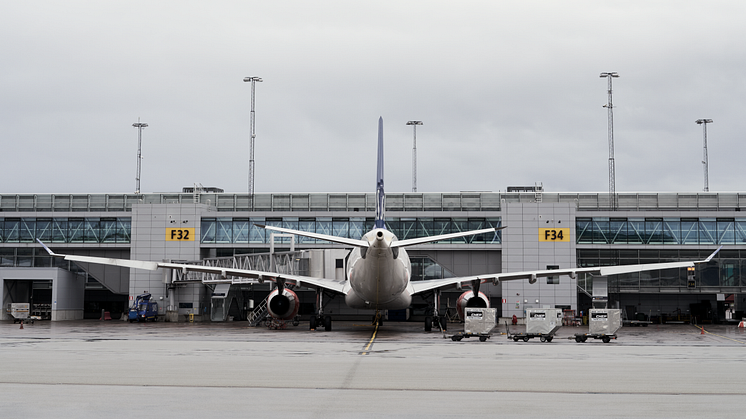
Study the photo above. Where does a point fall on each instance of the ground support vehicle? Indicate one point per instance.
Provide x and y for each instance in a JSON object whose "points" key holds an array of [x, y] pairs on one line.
{"points": [[143, 309]]}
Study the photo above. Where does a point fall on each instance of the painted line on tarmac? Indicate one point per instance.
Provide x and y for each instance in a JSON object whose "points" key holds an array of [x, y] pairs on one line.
{"points": [[370, 343], [720, 336]]}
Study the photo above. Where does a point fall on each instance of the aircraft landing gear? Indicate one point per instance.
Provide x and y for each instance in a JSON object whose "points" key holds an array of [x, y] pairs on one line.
{"points": [[436, 320], [319, 321], [378, 319]]}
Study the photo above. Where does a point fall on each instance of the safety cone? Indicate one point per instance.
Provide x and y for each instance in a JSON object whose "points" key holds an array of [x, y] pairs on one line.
{"points": [[21, 324], [703, 331]]}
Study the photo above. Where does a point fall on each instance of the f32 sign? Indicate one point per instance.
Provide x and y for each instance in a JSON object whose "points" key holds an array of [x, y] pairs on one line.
{"points": [[180, 234]]}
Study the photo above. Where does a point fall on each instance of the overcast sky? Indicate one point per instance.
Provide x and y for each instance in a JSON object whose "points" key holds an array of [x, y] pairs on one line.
{"points": [[509, 94]]}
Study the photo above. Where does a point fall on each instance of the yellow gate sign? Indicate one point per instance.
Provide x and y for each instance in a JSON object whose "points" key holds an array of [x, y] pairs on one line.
{"points": [[554, 234], [180, 234]]}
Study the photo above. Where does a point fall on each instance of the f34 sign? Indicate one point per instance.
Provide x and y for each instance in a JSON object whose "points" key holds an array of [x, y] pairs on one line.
{"points": [[554, 234]]}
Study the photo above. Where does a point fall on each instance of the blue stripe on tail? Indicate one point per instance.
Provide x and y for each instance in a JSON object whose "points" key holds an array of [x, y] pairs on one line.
{"points": [[380, 197]]}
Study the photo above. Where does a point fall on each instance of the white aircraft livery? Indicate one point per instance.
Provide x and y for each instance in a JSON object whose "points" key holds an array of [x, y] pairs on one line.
{"points": [[378, 271]]}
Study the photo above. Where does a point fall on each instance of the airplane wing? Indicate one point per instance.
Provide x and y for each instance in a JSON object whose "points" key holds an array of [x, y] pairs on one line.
{"points": [[224, 273], [532, 276]]}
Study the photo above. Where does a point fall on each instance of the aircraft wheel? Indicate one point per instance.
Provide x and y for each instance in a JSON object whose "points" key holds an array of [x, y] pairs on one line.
{"points": [[428, 324], [328, 324]]}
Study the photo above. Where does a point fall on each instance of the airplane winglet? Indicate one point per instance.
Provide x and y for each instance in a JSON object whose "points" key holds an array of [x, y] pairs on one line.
{"points": [[51, 253], [712, 255]]}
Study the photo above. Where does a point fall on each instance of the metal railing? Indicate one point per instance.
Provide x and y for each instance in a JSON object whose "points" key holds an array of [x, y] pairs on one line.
{"points": [[361, 202]]}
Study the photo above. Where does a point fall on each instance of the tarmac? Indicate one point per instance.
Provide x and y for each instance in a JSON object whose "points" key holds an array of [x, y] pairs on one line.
{"points": [[113, 369]]}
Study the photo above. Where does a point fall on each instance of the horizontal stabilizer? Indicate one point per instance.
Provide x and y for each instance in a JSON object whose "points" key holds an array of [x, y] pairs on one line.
{"points": [[318, 236]]}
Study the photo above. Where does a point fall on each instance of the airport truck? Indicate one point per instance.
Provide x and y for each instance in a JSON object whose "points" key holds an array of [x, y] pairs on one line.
{"points": [[143, 309]]}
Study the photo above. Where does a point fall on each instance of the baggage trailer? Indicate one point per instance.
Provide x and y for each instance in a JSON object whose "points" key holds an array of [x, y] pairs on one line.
{"points": [[541, 323], [544, 337], [20, 313], [603, 324], [478, 322]]}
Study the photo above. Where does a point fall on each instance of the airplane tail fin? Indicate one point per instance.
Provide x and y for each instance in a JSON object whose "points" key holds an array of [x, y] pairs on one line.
{"points": [[380, 197]]}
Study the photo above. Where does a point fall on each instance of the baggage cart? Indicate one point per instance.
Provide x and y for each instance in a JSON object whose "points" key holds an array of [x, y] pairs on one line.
{"points": [[603, 324], [478, 322]]}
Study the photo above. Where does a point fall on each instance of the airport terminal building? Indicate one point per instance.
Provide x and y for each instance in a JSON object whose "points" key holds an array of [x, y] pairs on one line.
{"points": [[543, 231]]}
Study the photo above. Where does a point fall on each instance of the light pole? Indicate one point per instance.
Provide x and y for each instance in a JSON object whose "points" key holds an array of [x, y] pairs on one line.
{"points": [[705, 160], [612, 169], [414, 154], [140, 126], [253, 81]]}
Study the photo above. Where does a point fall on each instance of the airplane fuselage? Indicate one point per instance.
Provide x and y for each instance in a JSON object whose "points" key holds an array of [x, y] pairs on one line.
{"points": [[378, 275]]}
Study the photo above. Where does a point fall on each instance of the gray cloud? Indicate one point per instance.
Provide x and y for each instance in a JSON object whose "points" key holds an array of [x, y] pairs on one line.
{"points": [[509, 94]]}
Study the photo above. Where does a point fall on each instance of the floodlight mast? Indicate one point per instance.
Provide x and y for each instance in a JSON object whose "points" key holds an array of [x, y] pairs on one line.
{"points": [[140, 126], [705, 160], [612, 169], [414, 154], [252, 137]]}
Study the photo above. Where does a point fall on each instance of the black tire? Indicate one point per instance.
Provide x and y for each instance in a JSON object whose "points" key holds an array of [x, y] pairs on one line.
{"points": [[543, 339], [428, 324], [312, 323], [454, 338], [578, 339], [328, 323], [606, 339], [549, 338], [584, 338], [515, 338], [483, 338], [525, 338]]}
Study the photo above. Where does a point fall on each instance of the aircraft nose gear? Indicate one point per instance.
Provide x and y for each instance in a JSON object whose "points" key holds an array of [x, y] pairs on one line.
{"points": [[378, 319]]}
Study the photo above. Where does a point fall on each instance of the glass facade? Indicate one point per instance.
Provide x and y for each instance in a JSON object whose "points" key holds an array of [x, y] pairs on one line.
{"points": [[233, 230], [678, 231], [727, 269], [66, 230]]}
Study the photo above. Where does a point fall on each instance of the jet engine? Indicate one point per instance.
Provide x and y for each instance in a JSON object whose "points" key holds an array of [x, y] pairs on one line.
{"points": [[283, 306], [467, 299]]}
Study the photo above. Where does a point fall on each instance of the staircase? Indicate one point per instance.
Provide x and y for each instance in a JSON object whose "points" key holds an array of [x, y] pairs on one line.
{"points": [[258, 314]]}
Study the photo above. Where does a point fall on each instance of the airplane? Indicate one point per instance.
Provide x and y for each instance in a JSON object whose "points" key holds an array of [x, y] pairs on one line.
{"points": [[378, 271]]}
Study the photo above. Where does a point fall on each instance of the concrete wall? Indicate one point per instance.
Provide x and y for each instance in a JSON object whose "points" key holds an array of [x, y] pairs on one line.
{"points": [[149, 224], [522, 251]]}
